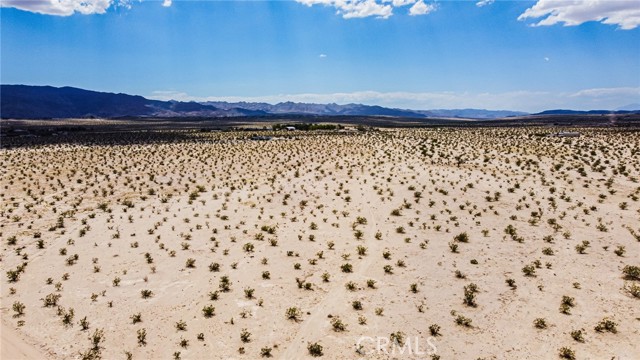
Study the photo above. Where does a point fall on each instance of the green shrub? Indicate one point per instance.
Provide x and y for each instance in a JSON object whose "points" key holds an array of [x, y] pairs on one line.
{"points": [[314, 349], [631, 272], [606, 324]]}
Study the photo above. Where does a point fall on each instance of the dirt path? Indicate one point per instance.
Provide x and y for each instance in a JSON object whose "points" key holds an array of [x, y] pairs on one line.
{"points": [[14, 346]]}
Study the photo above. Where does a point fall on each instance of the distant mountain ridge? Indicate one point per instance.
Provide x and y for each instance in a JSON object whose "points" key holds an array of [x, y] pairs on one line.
{"points": [[47, 102], [319, 109], [333, 109], [588, 112]]}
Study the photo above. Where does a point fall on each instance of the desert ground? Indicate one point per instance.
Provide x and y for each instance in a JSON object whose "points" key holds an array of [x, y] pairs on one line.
{"points": [[486, 243]]}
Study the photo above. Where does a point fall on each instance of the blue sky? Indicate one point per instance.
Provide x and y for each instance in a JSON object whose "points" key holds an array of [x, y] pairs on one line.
{"points": [[517, 55]]}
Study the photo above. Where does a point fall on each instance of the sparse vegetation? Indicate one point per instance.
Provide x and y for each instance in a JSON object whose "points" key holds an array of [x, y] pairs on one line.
{"points": [[408, 219]]}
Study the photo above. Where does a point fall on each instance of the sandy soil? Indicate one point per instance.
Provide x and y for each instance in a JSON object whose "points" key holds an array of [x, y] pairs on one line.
{"points": [[382, 208]]}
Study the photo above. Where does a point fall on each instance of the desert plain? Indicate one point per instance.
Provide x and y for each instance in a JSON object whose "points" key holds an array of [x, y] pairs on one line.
{"points": [[443, 243]]}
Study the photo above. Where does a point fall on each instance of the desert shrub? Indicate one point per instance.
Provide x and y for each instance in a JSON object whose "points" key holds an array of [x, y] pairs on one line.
{"points": [[13, 275], [265, 352], [136, 318], [18, 307], [293, 313], [181, 325], [325, 276], [633, 289], [529, 270], [582, 247], [12, 240], [245, 336], [565, 309], [606, 324], [248, 293], [463, 321], [97, 338], [631, 272], [84, 324], [567, 353], [337, 324], [434, 329], [351, 286], [462, 237], [142, 336], [540, 323], [208, 311], [248, 247], [51, 300], [225, 284], [314, 349], [577, 335], [397, 337], [470, 294], [308, 286], [569, 301]]}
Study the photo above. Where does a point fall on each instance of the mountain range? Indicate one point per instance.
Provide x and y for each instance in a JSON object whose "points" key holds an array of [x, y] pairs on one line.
{"points": [[47, 102]]}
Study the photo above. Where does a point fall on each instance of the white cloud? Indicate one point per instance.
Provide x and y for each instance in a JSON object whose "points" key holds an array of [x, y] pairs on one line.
{"points": [[482, 3], [65, 7], [608, 92], [322, 56], [166, 3], [364, 8], [399, 3], [531, 101], [420, 8], [624, 13]]}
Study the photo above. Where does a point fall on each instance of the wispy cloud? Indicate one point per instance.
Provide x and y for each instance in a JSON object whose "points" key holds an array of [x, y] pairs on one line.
{"points": [[482, 3], [382, 9], [167, 3], [63, 7], [355, 8], [531, 101], [624, 13], [420, 8]]}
